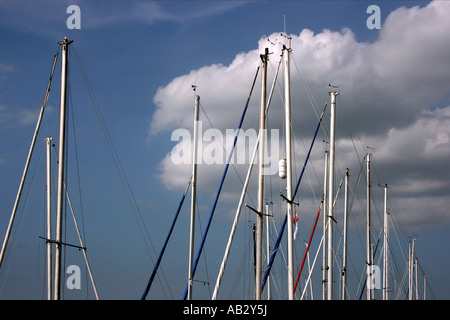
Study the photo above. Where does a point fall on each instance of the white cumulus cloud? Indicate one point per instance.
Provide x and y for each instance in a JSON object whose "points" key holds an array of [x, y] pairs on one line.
{"points": [[394, 98]]}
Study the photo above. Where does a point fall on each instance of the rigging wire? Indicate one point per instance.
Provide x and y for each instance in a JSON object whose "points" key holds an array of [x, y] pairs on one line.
{"points": [[155, 268], [15, 242], [220, 186], [310, 97], [118, 164], [70, 107]]}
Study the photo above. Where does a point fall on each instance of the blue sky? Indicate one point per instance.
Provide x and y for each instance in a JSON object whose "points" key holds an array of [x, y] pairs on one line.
{"points": [[141, 58]]}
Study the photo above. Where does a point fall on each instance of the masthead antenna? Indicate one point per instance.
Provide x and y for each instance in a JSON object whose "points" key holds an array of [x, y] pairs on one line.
{"points": [[284, 34]]}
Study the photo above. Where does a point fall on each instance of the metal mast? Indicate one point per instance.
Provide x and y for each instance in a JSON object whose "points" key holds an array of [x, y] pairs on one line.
{"points": [[193, 197], [269, 295], [416, 265], [49, 218], [368, 255], [344, 253], [287, 102], [333, 95], [61, 163], [386, 249], [325, 220], [409, 271], [259, 224], [235, 222]]}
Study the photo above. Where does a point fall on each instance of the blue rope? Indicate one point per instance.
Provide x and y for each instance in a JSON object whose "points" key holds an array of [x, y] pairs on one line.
{"points": [[220, 187], [150, 281]]}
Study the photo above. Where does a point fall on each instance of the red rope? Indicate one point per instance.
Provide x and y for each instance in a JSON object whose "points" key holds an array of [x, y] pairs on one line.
{"points": [[307, 248]]}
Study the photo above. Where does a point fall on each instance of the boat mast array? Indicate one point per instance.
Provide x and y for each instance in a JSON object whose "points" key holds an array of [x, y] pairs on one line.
{"points": [[62, 193], [261, 275]]}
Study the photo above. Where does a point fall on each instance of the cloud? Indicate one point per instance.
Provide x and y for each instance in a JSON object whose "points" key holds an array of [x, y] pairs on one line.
{"points": [[383, 84], [16, 118], [394, 97], [175, 101], [48, 17], [137, 11]]}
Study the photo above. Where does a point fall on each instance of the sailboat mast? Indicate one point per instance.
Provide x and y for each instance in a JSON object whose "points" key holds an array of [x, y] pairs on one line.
{"points": [[235, 222], [411, 269], [333, 95], [416, 265], [269, 296], [49, 219], [386, 249], [325, 220], [344, 253], [409, 272], [287, 101], [259, 224], [193, 197], [368, 255], [61, 163]]}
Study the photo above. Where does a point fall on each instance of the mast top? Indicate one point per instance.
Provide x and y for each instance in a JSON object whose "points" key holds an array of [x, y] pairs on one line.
{"points": [[65, 41]]}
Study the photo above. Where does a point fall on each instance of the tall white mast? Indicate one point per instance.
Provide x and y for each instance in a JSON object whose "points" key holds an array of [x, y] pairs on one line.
{"points": [[333, 95], [61, 163], [368, 255], [235, 222], [259, 221], [49, 218], [409, 271], [193, 197], [287, 102], [269, 297], [416, 265], [325, 220], [344, 253], [386, 249], [412, 268]]}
